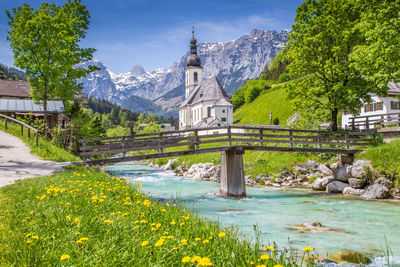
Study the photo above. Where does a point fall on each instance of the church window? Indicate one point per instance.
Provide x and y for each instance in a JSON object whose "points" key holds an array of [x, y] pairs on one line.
{"points": [[195, 76], [208, 111], [223, 119]]}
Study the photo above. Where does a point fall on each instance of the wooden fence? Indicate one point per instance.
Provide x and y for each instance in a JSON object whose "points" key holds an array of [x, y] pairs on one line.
{"points": [[194, 141], [22, 124], [374, 121]]}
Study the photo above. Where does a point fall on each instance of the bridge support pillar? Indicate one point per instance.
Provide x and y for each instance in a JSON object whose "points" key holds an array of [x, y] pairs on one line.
{"points": [[232, 173]]}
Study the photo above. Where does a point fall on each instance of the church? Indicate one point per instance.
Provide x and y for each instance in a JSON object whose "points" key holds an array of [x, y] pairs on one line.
{"points": [[206, 103]]}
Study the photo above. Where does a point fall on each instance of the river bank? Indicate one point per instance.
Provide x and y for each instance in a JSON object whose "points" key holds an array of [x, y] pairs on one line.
{"points": [[359, 179], [291, 217]]}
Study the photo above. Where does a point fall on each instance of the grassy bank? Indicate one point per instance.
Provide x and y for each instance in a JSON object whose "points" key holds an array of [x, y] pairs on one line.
{"points": [[87, 217], [45, 149]]}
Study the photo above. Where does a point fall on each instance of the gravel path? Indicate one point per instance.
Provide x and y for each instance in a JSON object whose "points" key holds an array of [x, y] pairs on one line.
{"points": [[16, 161]]}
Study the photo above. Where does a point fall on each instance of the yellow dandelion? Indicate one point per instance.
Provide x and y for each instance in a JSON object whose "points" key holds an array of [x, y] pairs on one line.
{"points": [[307, 249], [159, 243], [261, 265], [186, 259], [77, 233], [197, 239], [76, 220], [205, 262], [170, 237], [35, 237], [206, 241], [264, 257], [184, 241], [107, 221], [252, 263], [163, 210], [278, 265], [28, 235], [222, 234], [64, 257], [196, 259], [144, 243], [172, 223], [158, 225], [267, 248], [28, 241]]}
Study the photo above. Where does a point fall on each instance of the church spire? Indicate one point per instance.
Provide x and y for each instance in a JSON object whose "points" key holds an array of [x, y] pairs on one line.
{"points": [[193, 59]]}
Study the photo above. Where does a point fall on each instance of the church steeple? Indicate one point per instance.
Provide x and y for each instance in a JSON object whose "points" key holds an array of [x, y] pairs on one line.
{"points": [[193, 59]]}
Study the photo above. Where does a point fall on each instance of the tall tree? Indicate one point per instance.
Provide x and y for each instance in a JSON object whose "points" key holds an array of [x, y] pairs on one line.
{"points": [[324, 36], [45, 42]]}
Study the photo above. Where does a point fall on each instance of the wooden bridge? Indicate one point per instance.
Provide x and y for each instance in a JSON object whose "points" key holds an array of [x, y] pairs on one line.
{"points": [[231, 141]]}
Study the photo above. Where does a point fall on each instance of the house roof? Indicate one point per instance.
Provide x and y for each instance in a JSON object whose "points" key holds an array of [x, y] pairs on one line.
{"points": [[394, 89], [19, 89], [208, 90], [27, 105]]}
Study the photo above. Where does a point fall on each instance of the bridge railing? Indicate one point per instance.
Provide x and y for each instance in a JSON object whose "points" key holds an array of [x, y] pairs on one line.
{"points": [[248, 137], [22, 124]]}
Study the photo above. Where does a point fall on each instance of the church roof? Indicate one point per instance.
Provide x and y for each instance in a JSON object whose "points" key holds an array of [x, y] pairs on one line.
{"points": [[208, 90]]}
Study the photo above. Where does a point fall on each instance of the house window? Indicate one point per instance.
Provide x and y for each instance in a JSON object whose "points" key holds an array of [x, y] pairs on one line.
{"points": [[223, 119], [373, 107], [395, 105], [195, 76], [208, 111], [223, 111]]}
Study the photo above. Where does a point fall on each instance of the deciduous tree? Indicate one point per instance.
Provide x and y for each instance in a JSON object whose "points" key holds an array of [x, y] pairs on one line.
{"points": [[45, 42]]}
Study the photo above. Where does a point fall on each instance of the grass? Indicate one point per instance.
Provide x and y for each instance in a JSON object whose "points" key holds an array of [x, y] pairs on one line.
{"points": [[386, 159], [87, 217], [257, 112], [45, 149]]}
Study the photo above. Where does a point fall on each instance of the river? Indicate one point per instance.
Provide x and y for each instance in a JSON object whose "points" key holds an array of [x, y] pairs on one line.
{"points": [[365, 226]]}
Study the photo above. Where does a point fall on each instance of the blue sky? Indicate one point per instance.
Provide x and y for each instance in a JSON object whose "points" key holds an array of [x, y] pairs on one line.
{"points": [[156, 33]]}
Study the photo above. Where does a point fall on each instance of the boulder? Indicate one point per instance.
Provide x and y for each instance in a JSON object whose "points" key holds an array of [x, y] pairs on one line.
{"points": [[278, 180], [336, 187], [179, 171], [376, 191], [317, 184], [312, 165], [300, 169], [249, 181], [325, 171], [358, 183], [168, 166], [263, 177], [384, 181], [342, 173], [285, 173], [352, 191], [326, 180], [360, 167], [349, 257]]}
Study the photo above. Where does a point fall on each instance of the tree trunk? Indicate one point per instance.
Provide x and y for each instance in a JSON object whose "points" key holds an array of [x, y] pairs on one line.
{"points": [[334, 115], [45, 115]]}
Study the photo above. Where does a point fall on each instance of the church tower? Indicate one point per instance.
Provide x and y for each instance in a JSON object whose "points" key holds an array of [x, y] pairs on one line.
{"points": [[194, 70]]}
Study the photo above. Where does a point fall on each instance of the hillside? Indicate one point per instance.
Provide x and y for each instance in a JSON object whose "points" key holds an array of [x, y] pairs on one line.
{"points": [[257, 112]]}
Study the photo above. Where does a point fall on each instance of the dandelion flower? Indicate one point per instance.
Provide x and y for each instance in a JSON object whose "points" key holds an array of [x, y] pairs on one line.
{"points": [[107, 221], [307, 249], [159, 243], [170, 237], [196, 259], [68, 218], [173, 223], [197, 239], [35, 237], [158, 225], [264, 257], [184, 241], [144, 243], [28, 241], [76, 220], [163, 210], [222, 234], [186, 259], [205, 262], [206, 241], [64, 257], [267, 248], [278, 265], [261, 265]]}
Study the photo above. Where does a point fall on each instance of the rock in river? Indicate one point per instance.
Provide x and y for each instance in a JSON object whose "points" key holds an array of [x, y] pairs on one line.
{"points": [[376, 191], [349, 257], [336, 187]]}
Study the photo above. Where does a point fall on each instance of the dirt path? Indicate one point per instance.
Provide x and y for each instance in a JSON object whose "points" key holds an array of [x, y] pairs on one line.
{"points": [[16, 161]]}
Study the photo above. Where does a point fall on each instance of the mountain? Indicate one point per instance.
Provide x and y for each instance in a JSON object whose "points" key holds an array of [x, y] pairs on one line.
{"points": [[233, 63]]}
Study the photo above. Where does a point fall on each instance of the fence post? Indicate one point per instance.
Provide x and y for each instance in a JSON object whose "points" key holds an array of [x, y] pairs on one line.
{"points": [[37, 138], [6, 123], [347, 141], [261, 137], [29, 133], [196, 138], [367, 123], [83, 145], [291, 138], [353, 125], [161, 149], [319, 140], [22, 129], [383, 121], [398, 119], [123, 147], [229, 136]]}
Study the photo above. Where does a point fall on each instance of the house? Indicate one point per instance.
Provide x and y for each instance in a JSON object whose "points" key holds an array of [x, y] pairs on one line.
{"points": [[206, 103], [15, 100], [380, 111]]}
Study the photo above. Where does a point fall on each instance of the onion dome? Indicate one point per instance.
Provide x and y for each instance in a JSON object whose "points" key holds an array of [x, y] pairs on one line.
{"points": [[193, 59]]}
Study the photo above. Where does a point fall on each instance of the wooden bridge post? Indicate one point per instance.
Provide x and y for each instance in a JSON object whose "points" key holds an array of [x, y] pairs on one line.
{"points": [[366, 123], [261, 137], [196, 138], [291, 138], [353, 125], [37, 138], [232, 173], [22, 129], [6, 123], [29, 133], [123, 146], [84, 158], [229, 136]]}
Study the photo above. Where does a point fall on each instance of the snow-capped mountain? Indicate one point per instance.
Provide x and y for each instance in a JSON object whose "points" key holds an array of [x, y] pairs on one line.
{"points": [[232, 62]]}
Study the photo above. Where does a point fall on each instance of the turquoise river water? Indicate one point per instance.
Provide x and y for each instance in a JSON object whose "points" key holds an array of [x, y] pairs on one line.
{"points": [[367, 225]]}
